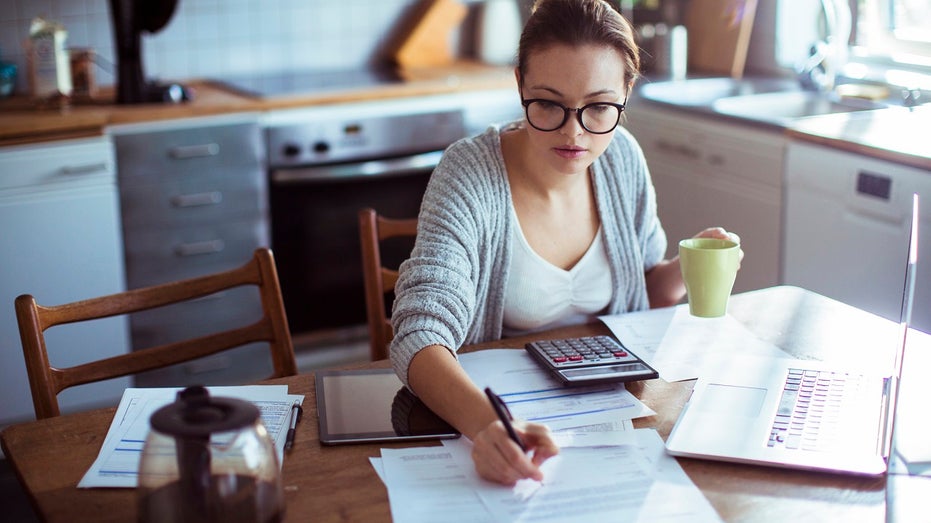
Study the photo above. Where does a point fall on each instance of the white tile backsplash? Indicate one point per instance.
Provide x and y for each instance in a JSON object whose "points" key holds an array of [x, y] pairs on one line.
{"points": [[216, 38]]}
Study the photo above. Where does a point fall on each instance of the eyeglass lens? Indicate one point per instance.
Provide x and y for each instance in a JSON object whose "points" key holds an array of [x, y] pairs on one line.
{"points": [[596, 118]]}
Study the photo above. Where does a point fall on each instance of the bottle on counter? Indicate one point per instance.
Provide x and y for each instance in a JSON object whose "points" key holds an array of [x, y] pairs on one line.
{"points": [[48, 62]]}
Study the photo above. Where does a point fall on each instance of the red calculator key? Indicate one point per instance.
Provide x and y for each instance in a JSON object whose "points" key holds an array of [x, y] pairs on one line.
{"points": [[560, 359], [620, 353], [575, 357]]}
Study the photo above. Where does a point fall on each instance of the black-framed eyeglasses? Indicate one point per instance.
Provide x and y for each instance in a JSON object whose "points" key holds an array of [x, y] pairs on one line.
{"points": [[596, 118]]}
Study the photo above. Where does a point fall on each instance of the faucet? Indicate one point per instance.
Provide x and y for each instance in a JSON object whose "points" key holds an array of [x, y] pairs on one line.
{"points": [[825, 58]]}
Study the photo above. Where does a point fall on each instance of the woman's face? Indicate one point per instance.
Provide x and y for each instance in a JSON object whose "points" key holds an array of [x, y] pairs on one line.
{"points": [[573, 76]]}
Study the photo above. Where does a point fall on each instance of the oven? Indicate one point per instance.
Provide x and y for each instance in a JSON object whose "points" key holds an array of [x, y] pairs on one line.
{"points": [[324, 166], [326, 161]]}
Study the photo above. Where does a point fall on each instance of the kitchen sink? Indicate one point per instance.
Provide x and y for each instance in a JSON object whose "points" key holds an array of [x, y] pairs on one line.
{"points": [[780, 107], [698, 92], [775, 101]]}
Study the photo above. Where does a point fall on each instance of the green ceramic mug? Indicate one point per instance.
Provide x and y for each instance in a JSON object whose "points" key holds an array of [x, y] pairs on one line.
{"points": [[709, 268]]}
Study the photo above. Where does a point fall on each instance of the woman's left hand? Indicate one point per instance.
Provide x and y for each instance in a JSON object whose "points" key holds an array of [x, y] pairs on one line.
{"points": [[722, 234]]}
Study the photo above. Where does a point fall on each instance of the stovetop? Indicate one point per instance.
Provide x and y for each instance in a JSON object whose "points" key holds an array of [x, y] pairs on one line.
{"points": [[283, 84]]}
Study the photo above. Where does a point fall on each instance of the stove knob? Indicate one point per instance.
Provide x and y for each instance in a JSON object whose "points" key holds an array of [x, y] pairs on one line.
{"points": [[321, 147], [291, 150]]}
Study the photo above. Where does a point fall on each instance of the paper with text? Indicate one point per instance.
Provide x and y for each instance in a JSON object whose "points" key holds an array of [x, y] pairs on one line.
{"points": [[601, 411], [117, 463], [638, 482], [677, 344]]}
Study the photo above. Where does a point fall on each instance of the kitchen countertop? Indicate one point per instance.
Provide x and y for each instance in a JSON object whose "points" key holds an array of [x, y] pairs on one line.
{"points": [[892, 133], [22, 122], [896, 134]]}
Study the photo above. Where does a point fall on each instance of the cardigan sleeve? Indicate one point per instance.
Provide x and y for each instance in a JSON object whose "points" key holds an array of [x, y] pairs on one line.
{"points": [[446, 293]]}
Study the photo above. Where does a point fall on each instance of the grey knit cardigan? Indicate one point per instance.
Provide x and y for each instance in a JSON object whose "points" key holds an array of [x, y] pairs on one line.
{"points": [[451, 290]]}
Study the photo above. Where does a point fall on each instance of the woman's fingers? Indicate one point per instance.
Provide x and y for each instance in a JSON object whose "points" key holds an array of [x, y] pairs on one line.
{"points": [[497, 458], [722, 234]]}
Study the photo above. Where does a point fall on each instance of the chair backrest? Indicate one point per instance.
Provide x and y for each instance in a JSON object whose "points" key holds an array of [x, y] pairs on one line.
{"points": [[47, 381], [379, 280]]}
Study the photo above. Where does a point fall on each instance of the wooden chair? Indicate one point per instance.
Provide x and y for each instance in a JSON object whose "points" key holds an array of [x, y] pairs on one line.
{"points": [[47, 381], [379, 280]]}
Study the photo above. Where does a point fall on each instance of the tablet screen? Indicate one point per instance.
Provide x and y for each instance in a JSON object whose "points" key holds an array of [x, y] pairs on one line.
{"points": [[359, 406]]}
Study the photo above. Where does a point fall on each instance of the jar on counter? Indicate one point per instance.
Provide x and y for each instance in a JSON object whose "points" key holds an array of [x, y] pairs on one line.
{"points": [[7, 79], [83, 82]]}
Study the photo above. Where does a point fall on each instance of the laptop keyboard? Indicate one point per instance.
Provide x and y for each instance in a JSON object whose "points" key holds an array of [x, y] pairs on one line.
{"points": [[810, 411]]}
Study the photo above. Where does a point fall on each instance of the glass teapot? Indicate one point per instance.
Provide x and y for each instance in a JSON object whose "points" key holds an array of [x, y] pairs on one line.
{"points": [[209, 459]]}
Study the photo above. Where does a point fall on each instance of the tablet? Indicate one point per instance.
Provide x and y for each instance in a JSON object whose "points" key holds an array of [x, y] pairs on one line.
{"points": [[365, 405]]}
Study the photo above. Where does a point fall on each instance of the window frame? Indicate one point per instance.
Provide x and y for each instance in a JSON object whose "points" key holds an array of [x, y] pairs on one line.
{"points": [[884, 47]]}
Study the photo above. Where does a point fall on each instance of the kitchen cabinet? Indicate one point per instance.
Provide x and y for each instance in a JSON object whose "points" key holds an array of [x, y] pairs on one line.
{"points": [[194, 201], [711, 172], [847, 228], [60, 242]]}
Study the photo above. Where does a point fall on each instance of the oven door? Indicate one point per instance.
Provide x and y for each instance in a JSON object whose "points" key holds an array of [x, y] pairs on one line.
{"points": [[315, 232]]}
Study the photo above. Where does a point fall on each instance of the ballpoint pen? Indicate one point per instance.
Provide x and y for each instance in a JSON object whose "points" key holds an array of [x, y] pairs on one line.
{"points": [[504, 414], [296, 412]]}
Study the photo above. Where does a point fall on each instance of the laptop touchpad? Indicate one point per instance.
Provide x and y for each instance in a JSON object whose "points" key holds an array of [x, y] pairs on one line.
{"points": [[732, 400]]}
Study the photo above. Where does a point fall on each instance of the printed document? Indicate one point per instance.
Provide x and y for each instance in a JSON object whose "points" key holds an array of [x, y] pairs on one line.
{"points": [[637, 482], [532, 394], [117, 463], [677, 344]]}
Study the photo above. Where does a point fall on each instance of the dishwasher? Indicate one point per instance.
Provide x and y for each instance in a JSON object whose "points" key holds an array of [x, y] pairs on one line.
{"points": [[60, 242], [847, 226]]}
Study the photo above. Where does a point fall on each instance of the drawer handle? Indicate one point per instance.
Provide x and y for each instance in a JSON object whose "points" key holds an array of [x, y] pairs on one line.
{"points": [[185, 152], [84, 169], [197, 199], [679, 149], [198, 248]]}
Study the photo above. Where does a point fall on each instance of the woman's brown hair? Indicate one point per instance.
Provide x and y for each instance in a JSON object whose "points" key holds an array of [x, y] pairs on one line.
{"points": [[578, 22]]}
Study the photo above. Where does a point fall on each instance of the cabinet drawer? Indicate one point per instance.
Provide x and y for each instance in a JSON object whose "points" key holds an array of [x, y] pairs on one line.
{"points": [[706, 147], [59, 164], [195, 199], [222, 311], [165, 156], [157, 256], [246, 364], [225, 310]]}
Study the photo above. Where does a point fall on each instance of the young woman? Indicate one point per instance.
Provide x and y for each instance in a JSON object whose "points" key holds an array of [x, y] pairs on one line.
{"points": [[536, 224]]}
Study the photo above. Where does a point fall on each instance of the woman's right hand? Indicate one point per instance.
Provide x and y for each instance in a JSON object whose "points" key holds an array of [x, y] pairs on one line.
{"points": [[497, 458]]}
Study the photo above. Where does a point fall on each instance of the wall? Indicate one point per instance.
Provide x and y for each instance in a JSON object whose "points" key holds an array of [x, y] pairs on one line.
{"points": [[768, 54], [227, 37], [218, 37]]}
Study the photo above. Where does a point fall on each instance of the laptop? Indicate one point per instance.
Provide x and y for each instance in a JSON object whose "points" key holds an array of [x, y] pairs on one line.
{"points": [[798, 414]]}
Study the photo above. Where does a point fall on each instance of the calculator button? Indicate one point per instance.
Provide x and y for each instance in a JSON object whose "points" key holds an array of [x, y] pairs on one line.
{"points": [[620, 353], [560, 359]]}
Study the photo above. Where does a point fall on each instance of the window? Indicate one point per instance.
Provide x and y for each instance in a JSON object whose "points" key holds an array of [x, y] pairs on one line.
{"points": [[897, 31]]}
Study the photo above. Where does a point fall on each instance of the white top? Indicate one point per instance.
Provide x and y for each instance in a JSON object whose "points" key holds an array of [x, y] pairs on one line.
{"points": [[451, 289], [540, 295]]}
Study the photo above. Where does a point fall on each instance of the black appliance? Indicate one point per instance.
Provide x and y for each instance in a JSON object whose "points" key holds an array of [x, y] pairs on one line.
{"points": [[328, 161], [323, 168], [130, 19]]}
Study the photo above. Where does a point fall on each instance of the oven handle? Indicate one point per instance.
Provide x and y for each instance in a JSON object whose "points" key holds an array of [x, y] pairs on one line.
{"points": [[367, 169]]}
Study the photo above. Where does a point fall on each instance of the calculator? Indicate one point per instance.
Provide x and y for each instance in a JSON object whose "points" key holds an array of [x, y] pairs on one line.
{"points": [[589, 360]]}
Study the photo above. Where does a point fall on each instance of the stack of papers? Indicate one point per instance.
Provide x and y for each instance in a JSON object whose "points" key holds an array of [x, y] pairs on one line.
{"points": [[117, 464], [606, 470], [678, 345], [532, 394], [636, 482]]}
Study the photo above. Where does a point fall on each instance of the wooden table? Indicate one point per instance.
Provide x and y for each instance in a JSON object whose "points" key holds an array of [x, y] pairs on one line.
{"points": [[338, 483]]}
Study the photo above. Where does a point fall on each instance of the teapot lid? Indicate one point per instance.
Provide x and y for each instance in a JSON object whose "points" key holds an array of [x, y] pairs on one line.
{"points": [[195, 413]]}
